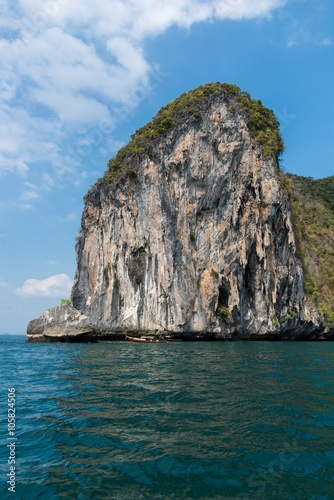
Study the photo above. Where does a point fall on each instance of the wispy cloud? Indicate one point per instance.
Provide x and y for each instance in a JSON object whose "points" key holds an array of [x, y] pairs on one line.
{"points": [[3, 283], [29, 195], [13, 205], [305, 38], [54, 286], [68, 217], [307, 30]]}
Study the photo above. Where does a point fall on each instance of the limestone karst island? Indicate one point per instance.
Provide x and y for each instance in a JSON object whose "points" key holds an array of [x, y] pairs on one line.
{"points": [[196, 232]]}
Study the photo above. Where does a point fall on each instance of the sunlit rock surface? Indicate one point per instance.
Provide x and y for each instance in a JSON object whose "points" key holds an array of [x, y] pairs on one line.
{"points": [[198, 240], [61, 324]]}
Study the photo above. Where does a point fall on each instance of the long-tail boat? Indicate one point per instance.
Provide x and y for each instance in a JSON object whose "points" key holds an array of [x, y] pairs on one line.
{"points": [[146, 338]]}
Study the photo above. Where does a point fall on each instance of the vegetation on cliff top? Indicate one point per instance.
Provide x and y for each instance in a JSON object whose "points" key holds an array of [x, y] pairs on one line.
{"points": [[262, 124], [312, 206], [312, 201]]}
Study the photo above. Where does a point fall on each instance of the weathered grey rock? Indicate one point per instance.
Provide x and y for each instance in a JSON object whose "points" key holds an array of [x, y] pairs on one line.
{"points": [[61, 324], [204, 225]]}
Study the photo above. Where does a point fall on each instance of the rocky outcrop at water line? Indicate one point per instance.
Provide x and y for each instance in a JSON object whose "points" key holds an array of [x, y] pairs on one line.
{"points": [[61, 324], [192, 234]]}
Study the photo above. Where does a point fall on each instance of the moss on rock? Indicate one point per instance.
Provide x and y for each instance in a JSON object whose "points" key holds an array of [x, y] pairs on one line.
{"points": [[312, 206], [262, 124]]}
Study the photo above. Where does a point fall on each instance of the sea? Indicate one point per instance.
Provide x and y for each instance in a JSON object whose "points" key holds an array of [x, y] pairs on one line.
{"points": [[182, 420]]}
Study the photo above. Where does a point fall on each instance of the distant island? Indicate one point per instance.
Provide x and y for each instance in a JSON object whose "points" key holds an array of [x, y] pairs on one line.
{"points": [[195, 231]]}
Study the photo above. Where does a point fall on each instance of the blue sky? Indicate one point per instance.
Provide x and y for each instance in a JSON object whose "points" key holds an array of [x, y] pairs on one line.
{"points": [[77, 78]]}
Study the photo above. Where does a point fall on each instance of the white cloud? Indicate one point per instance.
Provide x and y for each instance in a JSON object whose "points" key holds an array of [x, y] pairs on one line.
{"points": [[67, 64], [54, 286], [25, 138], [68, 217], [29, 195], [3, 283], [13, 205], [307, 38], [50, 262], [48, 181]]}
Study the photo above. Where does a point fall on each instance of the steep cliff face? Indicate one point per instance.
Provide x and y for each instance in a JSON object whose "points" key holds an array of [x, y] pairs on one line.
{"points": [[195, 236]]}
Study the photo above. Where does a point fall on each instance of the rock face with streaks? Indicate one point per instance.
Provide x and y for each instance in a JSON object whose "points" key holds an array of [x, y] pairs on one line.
{"points": [[62, 323], [195, 237]]}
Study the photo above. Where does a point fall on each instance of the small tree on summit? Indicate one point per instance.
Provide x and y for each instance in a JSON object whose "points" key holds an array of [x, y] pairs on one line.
{"points": [[67, 302]]}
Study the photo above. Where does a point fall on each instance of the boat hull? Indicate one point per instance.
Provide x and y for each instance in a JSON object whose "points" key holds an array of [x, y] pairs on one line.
{"points": [[145, 340]]}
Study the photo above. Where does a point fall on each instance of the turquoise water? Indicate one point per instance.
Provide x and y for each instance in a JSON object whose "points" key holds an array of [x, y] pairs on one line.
{"points": [[176, 421]]}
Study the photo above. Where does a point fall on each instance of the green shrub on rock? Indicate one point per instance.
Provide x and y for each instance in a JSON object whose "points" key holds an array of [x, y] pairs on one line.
{"points": [[214, 274], [312, 207], [262, 123], [222, 312]]}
